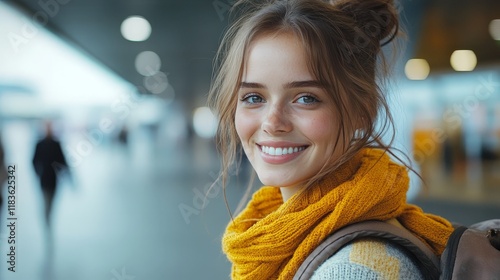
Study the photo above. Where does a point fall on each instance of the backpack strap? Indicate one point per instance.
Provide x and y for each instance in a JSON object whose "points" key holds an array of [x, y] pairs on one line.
{"points": [[426, 261]]}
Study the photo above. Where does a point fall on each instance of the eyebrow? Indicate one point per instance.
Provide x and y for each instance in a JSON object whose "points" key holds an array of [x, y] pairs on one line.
{"points": [[300, 84], [295, 84]]}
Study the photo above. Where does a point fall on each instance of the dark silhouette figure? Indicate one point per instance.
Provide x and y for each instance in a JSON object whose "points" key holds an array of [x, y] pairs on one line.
{"points": [[48, 162], [3, 176], [123, 136]]}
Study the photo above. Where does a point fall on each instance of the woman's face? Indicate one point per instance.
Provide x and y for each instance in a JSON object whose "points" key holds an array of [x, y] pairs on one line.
{"points": [[284, 118]]}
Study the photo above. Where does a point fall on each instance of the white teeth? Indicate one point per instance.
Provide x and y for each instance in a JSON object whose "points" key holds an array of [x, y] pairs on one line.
{"points": [[281, 151]]}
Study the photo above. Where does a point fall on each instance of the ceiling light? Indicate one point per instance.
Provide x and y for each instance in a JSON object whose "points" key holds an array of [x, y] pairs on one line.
{"points": [[147, 63], [204, 122], [495, 29], [136, 28], [463, 60], [156, 83], [417, 69]]}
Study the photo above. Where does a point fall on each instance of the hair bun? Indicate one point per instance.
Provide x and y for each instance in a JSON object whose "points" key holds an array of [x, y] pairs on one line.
{"points": [[377, 19]]}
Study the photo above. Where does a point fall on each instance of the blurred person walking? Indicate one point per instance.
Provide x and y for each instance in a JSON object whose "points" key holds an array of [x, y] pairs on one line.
{"points": [[49, 162]]}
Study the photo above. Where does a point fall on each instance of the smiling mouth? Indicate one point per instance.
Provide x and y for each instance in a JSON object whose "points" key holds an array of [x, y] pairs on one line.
{"points": [[279, 151]]}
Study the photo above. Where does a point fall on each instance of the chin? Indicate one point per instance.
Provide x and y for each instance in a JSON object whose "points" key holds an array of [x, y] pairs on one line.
{"points": [[275, 181], [270, 181]]}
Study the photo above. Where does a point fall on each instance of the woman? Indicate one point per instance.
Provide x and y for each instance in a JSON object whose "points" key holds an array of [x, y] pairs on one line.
{"points": [[296, 89]]}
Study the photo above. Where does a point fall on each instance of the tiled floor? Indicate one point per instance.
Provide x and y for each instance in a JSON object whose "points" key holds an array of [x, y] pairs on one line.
{"points": [[120, 216]]}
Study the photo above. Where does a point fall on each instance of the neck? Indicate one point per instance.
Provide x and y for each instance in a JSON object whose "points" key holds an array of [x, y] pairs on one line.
{"points": [[287, 192]]}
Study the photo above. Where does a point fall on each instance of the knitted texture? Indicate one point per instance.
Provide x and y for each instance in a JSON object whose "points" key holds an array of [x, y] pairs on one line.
{"points": [[270, 239], [366, 259]]}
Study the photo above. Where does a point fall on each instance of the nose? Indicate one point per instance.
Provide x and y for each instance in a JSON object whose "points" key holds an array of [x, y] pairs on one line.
{"points": [[276, 121]]}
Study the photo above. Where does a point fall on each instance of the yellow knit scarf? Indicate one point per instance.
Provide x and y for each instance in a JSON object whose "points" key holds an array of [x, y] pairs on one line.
{"points": [[270, 239]]}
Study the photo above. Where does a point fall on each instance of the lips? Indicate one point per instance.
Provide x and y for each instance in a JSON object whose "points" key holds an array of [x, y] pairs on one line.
{"points": [[280, 152]]}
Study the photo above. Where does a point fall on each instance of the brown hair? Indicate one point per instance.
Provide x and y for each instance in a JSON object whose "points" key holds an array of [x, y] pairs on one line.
{"points": [[343, 41]]}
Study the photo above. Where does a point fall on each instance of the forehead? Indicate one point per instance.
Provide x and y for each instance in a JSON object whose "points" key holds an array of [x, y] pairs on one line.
{"points": [[277, 54]]}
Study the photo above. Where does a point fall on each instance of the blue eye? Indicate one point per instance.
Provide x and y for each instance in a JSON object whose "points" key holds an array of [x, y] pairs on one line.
{"points": [[252, 99], [307, 99]]}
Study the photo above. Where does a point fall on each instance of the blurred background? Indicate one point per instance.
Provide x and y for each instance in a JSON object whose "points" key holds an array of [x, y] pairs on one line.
{"points": [[124, 85]]}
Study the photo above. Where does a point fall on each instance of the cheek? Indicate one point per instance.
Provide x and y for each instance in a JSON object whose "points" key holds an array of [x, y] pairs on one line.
{"points": [[244, 125], [323, 130], [319, 127]]}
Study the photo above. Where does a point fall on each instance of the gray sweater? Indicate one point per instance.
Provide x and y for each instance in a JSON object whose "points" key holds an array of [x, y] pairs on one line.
{"points": [[369, 258]]}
